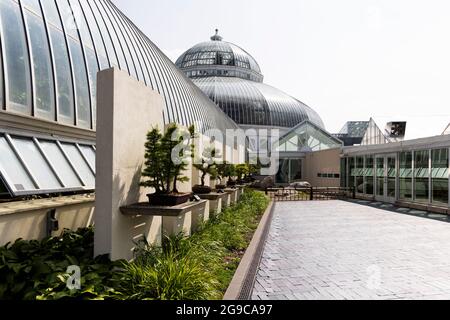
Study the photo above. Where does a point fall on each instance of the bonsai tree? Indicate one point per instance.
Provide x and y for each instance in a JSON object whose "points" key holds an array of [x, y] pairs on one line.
{"points": [[230, 173], [161, 171], [207, 166], [242, 171], [220, 174]]}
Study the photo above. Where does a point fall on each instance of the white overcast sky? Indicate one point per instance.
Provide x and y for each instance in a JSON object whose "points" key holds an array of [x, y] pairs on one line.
{"points": [[347, 59]]}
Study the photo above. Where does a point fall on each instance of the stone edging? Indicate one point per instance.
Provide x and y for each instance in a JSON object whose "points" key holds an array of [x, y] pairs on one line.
{"points": [[241, 287]]}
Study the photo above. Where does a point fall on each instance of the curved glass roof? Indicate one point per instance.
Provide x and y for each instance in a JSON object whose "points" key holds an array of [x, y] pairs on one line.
{"points": [[253, 103], [219, 58], [232, 79], [52, 50]]}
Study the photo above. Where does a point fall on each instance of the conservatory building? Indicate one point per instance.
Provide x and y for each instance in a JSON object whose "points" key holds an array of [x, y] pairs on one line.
{"points": [[51, 53], [232, 78]]}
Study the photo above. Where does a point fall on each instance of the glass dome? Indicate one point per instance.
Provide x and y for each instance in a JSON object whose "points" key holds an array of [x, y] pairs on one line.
{"points": [[232, 79], [219, 58]]}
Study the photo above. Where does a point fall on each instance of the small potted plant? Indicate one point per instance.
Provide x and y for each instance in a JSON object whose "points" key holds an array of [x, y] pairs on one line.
{"points": [[242, 171], [220, 174], [207, 166], [230, 173], [161, 171]]}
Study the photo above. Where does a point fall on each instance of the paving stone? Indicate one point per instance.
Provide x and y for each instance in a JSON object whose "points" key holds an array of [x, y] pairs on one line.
{"points": [[347, 251]]}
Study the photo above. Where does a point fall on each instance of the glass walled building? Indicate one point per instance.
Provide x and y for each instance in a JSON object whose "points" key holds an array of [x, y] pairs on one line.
{"points": [[409, 172], [51, 52]]}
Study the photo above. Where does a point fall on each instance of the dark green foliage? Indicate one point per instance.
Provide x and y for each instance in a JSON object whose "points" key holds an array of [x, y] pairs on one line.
{"points": [[37, 269]]}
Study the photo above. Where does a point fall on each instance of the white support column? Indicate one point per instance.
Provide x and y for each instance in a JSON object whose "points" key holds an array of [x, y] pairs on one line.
{"points": [[127, 110]]}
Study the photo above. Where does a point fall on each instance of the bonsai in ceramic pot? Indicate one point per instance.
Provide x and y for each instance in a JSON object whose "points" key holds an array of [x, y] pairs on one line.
{"points": [[207, 166], [230, 173], [220, 174], [161, 171]]}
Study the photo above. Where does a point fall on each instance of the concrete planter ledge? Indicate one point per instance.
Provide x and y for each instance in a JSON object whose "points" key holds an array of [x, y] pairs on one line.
{"points": [[44, 204], [241, 286], [145, 209], [210, 196], [185, 218]]}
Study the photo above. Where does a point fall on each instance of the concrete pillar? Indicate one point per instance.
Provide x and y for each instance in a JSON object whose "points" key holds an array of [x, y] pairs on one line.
{"points": [[126, 111]]}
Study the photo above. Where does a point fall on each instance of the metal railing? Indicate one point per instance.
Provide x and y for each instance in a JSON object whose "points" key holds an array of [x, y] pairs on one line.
{"points": [[310, 194]]}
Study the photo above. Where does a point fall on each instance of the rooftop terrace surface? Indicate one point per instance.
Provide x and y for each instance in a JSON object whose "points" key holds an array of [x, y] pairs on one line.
{"points": [[338, 250]]}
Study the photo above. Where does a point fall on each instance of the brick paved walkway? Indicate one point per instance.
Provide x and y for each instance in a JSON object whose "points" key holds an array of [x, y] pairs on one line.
{"points": [[340, 250]]}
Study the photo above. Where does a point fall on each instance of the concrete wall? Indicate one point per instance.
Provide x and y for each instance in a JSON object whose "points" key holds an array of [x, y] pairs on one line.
{"points": [[127, 110], [28, 219], [327, 161]]}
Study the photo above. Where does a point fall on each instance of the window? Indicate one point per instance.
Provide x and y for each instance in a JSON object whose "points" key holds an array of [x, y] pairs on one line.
{"points": [[344, 172], [369, 176], [31, 166], [16, 57], [351, 169], [421, 176], [43, 76], [405, 176], [64, 78], [359, 174], [81, 166], [439, 176], [60, 163], [81, 85], [36, 163], [12, 169]]}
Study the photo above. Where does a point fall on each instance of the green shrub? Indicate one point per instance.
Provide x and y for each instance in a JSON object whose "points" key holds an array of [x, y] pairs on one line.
{"points": [[37, 269], [172, 272]]}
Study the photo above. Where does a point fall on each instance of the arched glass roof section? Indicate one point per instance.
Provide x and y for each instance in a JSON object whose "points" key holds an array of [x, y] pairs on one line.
{"points": [[52, 50], [219, 58], [253, 103]]}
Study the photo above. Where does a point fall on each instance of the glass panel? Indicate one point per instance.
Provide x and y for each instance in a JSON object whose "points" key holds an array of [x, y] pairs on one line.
{"points": [[295, 172], [359, 174], [351, 168], [405, 176], [89, 153], [369, 176], [98, 41], [32, 5], [59, 162], [80, 165], [43, 76], [81, 85], [51, 12], [439, 176], [104, 33], [283, 171], [380, 177], [392, 176], [16, 56], [12, 170], [64, 77], [421, 176], [36, 164], [344, 173], [92, 72]]}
